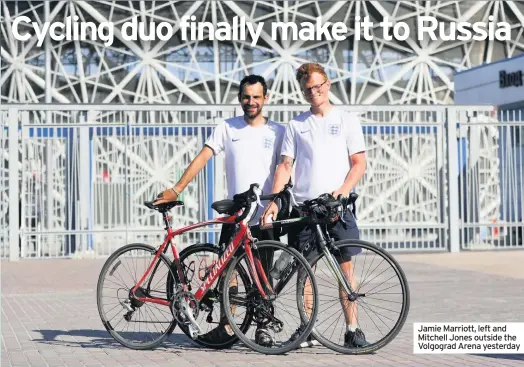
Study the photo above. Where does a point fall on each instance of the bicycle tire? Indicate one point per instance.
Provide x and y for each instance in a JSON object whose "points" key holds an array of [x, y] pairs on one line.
{"points": [[309, 323], [405, 296], [220, 343], [107, 324]]}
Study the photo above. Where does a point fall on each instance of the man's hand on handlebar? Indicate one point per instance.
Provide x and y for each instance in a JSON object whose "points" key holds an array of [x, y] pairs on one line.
{"points": [[270, 210], [339, 193]]}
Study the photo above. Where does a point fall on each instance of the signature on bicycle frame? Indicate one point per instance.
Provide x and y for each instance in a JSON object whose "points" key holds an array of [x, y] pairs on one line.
{"points": [[218, 267]]}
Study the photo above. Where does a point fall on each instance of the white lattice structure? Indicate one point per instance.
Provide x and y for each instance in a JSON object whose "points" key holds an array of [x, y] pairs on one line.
{"points": [[363, 72]]}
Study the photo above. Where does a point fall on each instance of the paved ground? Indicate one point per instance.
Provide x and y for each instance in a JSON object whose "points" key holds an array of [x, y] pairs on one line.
{"points": [[50, 318]]}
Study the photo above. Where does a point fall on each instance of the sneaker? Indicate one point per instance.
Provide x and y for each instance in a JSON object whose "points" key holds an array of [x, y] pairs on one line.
{"points": [[355, 339], [309, 342], [263, 338], [223, 331], [220, 333]]}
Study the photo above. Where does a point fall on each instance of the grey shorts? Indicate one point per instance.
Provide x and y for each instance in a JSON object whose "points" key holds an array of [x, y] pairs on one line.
{"points": [[300, 236]]}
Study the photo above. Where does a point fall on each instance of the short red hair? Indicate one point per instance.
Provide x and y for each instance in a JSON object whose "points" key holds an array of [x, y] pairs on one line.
{"points": [[305, 70]]}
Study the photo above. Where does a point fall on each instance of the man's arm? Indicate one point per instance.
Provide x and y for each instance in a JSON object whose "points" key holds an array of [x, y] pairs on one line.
{"points": [[213, 146], [189, 174], [288, 154], [356, 146], [194, 167], [282, 176], [355, 174], [282, 173]]}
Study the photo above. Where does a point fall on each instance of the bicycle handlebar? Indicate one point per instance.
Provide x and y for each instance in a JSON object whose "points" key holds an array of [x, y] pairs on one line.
{"points": [[250, 199], [287, 201], [326, 207]]}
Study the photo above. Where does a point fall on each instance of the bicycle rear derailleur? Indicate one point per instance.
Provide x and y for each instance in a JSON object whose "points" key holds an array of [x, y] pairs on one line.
{"points": [[132, 303], [185, 310]]}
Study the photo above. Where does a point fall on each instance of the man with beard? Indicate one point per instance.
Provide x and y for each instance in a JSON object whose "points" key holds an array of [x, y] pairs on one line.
{"points": [[252, 145]]}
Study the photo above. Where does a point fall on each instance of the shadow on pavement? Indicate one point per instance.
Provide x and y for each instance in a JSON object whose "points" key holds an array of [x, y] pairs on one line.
{"points": [[102, 339], [176, 343]]}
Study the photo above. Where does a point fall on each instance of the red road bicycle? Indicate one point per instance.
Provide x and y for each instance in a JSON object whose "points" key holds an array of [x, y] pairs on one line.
{"points": [[142, 295]]}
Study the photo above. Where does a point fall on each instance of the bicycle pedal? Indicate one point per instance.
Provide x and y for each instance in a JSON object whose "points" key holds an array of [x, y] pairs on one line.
{"points": [[193, 332]]}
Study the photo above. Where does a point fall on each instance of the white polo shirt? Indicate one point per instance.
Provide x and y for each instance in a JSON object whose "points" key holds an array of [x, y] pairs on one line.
{"points": [[321, 147], [252, 154]]}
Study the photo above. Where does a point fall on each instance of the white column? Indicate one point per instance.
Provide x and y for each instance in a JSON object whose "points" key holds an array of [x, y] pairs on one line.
{"points": [[14, 225], [49, 164], [83, 182], [453, 181]]}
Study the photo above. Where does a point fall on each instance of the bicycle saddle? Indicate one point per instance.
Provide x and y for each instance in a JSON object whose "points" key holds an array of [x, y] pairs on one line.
{"points": [[226, 206], [162, 207]]}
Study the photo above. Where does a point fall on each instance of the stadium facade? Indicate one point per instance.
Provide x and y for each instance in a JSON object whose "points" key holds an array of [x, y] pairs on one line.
{"points": [[208, 72]]}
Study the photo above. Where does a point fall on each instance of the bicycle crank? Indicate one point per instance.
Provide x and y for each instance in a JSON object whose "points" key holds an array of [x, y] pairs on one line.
{"points": [[265, 315], [185, 309]]}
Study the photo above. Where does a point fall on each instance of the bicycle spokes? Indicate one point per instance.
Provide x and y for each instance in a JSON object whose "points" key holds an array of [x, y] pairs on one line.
{"points": [[204, 269], [196, 268], [132, 321], [276, 318], [377, 304]]}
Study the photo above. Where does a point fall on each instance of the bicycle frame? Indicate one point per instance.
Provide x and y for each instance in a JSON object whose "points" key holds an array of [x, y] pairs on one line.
{"points": [[255, 266], [322, 245]]}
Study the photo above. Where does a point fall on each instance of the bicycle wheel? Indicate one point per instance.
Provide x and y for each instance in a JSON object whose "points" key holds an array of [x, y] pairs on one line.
{"points": [[286, 319], [125, 317], [379, 312], [197, 261]]}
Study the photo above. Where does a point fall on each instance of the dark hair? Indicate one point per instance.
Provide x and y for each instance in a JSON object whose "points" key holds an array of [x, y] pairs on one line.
{"points": [[252, 79]]}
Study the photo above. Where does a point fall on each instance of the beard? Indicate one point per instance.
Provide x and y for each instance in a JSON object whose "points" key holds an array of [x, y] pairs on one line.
{"points": [[252, 114]]}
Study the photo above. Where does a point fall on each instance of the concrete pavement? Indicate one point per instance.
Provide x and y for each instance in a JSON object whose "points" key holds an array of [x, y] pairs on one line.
{"points": [[50, 318]]}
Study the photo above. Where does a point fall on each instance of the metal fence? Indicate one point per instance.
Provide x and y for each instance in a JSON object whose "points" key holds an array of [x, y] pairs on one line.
{"points": [[490, 152], [438, 178]]}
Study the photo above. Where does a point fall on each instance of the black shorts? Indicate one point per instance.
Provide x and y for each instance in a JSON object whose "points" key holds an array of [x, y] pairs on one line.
{"points": [[226, 234], [299, 235], [266, 256]]}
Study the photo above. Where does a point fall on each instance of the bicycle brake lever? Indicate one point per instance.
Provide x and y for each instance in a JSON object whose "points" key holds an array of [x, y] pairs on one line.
{"points": [[340, 199], [259, 202], [257, 193]]}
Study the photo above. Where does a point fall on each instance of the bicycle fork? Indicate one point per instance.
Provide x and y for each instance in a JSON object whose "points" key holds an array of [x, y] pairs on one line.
{"points": [[335, 266]]}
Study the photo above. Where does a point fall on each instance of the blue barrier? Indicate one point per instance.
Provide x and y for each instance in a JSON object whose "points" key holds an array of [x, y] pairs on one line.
{"points": [[63, 132]]}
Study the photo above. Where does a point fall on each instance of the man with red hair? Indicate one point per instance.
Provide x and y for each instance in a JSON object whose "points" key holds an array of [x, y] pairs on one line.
{"points": [[327, 146]]}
